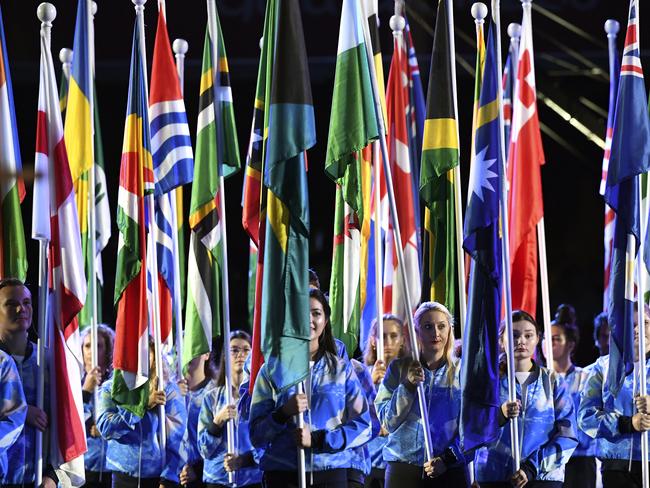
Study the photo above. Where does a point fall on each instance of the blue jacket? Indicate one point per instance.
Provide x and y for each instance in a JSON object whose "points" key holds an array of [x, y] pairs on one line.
{"points": [[133, 446], [13, 409], [608, 418], [190, 444], [576, 381], [95, 457], [399, 413], [546, 431], [213, 444], [361, 458], [339, 418], [377, 444]]}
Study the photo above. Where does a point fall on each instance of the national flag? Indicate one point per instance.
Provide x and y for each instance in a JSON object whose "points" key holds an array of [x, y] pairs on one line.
{"points": [[482, 241], [252, 278], [508, 89], [55, 221], [216, 156], [131, 352], [353, 125], [289, 117], [478, 80], [525, 159], [13, 257], [400, 167], [439, 158], [629, 157]]}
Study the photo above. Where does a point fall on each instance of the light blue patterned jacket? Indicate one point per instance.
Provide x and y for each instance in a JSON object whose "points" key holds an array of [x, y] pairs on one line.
{"points": [[338, 412], [190, 444], [602, 415], [13, 409], [95, 457], [546, 431], [399, 413], [361, 459], [576, 381], [213, 444], [133, 446]]}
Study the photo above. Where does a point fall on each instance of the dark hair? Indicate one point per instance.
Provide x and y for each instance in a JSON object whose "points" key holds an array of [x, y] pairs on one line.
{"points": [[221, 372], [108, 336], [565, 314], [326, 344], [313, 278], [600, 321], [11, 282], [519, 315]]}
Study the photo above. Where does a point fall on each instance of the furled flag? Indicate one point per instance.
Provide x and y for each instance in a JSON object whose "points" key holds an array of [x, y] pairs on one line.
{"points": [[13, 257], [480, 368], [478, 80], [55, 221], [629, 157], [291, 131], [524, 175], [610, 215], [65, 80], [217, 155], [131, 353], [439, 158], [353, 125], [508, 88], [400, 167]]}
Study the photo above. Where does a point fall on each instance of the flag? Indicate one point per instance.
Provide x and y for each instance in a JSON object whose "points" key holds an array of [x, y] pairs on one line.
{"points": [[289, 117], [353, 125], [525, 158], [216, 155], [252, 278], [131, 352], [508, 89], [478, 80], [13, 257], [439, 158], [482, 241], [400, 167], [629, 157], [67, 284]]}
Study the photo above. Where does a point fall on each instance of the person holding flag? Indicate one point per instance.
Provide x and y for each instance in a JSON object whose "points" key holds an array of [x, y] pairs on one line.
{"points": [[14, 408]]}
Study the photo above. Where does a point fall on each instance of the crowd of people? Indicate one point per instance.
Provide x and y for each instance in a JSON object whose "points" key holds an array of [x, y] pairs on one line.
{"points": [[362, 421]]}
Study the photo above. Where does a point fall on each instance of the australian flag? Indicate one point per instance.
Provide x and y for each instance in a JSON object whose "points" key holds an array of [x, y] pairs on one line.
{"points": [[630, 157], [480, 368]]}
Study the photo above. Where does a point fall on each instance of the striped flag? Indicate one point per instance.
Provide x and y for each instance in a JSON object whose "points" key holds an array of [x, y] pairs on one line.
{"points": [[353, 125], [525, 159], [55, 199], [131, 353], [439, 157], [400, 166], [629, 157], [216, 155], [13, 257]]}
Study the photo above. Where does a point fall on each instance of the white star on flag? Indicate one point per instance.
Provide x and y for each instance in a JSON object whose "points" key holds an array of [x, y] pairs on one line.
{"points": [[480, 175]]}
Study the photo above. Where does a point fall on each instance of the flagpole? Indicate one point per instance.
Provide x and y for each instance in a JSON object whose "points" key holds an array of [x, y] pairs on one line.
{"points": [[65, 56], [379, 298], [225, 291], [152, 255], [505, 246], [514, 32], [397, 234], [458, 203]]}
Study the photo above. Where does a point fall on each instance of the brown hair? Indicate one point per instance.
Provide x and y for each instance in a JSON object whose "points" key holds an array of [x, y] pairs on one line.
{"points": [[370, 351], [221, 371], [108, 336]]}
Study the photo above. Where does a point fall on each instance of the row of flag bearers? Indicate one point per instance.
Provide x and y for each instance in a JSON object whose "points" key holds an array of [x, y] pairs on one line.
{"points": [[436, 412]]}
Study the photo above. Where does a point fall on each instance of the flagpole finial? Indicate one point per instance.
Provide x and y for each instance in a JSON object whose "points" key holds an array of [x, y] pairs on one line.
{"points": [[479, 11], [612, 27], [261, 42], [46, 13], [139, 4], [93, 8], [514, 30], [65, 55], [180, 46]]}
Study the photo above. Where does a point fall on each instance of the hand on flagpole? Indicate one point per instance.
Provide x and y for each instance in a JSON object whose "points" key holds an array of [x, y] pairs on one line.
{"points": [[233, 462], [435, 467], [642, 403], [93, 380], [303, 437], [378, 372], [519, 479], [295, 404], [641, 422], [183, 386], [511, 410], [187, 475], [415, 374], [229, 412], [156, 398], [36, 418]]}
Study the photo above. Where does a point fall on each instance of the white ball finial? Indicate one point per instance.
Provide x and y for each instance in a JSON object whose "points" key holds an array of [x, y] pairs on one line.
{"points": [[479, 11], [397, 23], [46, 12], [139, 3], [612, 26], [93, 8], [180, 46], [514, 30], [65, 55], [261, 42]]}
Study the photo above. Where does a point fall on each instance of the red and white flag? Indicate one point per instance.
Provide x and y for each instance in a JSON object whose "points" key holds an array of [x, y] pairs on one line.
{"points": [[525, 158], [54, 197]]}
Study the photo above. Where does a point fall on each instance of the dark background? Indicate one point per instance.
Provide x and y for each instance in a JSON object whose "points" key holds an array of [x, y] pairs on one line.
{"points": [[571, 70]]}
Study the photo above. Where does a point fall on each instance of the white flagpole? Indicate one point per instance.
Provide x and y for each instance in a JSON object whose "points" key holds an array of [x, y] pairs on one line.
{"points": [[379, 297], [225, 292], [505, 247], [397, 237], [152, 254], [65, 56]]}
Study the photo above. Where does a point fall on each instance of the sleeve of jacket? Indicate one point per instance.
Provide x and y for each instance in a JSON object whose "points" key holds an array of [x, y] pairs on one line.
{"points": [[557, 450], [394, 400], [210, 438], [593, 418], [13, 408], [263, 427], [356, 429], [113, 421], [369, 390], [176, 422]]}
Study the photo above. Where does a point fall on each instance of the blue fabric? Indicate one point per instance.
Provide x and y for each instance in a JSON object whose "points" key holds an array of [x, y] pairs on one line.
{"points": [[213, 448], [190, 444], [399, 413], [546, 431], [361, 459], [13, 410], [576, 381], [337, 406], [95, 457], [133, 446]]}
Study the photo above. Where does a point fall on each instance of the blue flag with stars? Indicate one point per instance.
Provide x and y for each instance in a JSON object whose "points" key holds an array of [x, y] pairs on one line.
{"points": [[480, 365]]}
